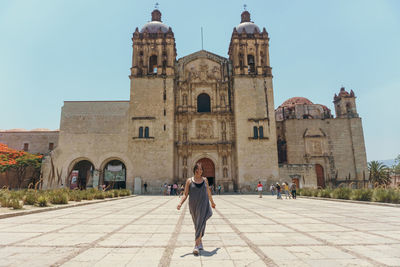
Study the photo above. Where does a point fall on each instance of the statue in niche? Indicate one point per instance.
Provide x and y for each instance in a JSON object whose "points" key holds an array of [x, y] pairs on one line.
{"points": [[225, 172], [224, 161], [223, 126], [184, 161]]}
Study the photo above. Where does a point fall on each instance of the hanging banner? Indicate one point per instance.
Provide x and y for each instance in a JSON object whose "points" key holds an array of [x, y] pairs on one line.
{"points": [[112, 176], [114, 168], [74, 179]]}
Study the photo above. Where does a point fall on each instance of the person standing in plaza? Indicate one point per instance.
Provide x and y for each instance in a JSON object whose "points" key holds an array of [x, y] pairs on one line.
{"points": [[219, 189], [145, 187], [200, 197], [259, 189], [278, 191], [272, 189], [293, 188], [175, 188]]}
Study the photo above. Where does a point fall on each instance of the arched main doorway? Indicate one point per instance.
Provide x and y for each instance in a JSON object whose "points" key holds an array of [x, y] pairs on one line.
{"points": [[208, 170], [320, 175], [81, 174], [115, 175]]}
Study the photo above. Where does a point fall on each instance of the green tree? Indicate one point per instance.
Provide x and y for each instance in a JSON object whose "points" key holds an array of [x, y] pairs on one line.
{"points": [[378, 173], [396, 166], [19, 161]]}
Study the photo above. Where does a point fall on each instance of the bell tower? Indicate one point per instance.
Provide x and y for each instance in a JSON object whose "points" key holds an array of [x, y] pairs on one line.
{"points": [[151, 107], [249, 49], [154, 51], [345, 104], [254, 113]]}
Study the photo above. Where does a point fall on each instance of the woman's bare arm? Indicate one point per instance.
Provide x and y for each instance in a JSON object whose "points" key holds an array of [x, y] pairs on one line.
{"points": [[185, 194], [209, 194]]}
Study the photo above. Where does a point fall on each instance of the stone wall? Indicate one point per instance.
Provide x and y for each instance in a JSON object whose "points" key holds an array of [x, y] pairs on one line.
{"points": [[336, 144], [38, 141], [305, 173], [96, 131], [254, 107]]}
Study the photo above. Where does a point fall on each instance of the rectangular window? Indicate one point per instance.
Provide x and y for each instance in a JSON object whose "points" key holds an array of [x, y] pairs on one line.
{"points": [[51, 146], [26, 146], [165, 127]]}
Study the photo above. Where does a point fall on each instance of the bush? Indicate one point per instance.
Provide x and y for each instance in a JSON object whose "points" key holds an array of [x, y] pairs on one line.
{"points": [[386, 195], [58, 197], [362, 194], [341, 193], [109, 194], [42, 201], [76, 195], [16, 204], [5, 201], [99, 195], [315, 192], [306, 192], [325, 192], [30, 198]]}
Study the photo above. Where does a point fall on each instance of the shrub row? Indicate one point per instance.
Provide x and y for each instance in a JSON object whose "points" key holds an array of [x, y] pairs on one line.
{"points": [[388, 195], [42, 198]]}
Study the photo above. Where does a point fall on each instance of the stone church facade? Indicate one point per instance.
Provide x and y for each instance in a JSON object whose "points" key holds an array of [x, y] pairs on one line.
{"points": [[209, 109]]}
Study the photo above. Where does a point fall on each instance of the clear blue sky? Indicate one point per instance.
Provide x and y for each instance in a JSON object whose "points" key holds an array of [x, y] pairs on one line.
{"points": [[56, 50]]}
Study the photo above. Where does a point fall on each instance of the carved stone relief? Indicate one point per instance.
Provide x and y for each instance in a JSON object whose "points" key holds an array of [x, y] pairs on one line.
{"points": [[204, 129]]}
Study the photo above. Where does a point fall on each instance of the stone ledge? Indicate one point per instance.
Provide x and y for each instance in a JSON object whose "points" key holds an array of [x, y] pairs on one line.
{"points": [[58, 207], [354, 201]]}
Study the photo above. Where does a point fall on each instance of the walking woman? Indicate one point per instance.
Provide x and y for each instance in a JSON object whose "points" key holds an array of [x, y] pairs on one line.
{"points": [[199, 204]]}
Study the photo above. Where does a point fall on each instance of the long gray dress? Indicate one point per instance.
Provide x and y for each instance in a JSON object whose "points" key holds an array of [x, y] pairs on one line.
{"points": [[199, 206]]}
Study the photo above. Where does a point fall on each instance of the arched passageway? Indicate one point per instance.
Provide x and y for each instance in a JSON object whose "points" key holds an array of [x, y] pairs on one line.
{"points": [[115, 175], [81, 174], [208, 170]]}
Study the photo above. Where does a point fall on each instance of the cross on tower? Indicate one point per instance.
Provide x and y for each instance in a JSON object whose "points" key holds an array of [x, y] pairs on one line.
{"points": [[156, 6], [245, 7]]}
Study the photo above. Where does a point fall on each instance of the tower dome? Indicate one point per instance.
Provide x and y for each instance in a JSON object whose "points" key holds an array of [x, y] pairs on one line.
{"points": [[155, 25], [247, 25]]}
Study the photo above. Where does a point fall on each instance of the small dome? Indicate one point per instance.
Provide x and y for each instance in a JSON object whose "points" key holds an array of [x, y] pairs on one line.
{"points": [[154, 27], [246, 24], [249, 27], [155, 24], [296, 101]]}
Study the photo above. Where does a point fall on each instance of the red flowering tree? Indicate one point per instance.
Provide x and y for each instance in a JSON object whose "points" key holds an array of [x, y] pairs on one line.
{"points": [[19, 161]]}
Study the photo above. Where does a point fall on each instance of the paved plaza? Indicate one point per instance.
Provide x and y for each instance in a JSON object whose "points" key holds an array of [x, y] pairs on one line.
{"points": [[243, 231]]}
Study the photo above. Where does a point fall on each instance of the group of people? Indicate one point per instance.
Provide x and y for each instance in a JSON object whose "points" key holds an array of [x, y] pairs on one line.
{"points": [[290, 192], [172, 189], [177, 190]]}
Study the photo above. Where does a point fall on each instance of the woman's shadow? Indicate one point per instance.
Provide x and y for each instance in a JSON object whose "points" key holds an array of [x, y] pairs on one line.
{"points": [[203, 253]]}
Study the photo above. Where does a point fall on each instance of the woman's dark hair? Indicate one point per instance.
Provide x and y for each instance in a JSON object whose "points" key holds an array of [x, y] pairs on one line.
{"points": [[198, 165]]}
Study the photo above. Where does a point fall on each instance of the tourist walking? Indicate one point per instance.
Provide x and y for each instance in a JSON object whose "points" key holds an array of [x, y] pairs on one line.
{"points": [[286, 190], [175, 188], [272, 189], [200, 197], [259, 189], [169, 190], [219, 189], [278, 191], [293, 188]]}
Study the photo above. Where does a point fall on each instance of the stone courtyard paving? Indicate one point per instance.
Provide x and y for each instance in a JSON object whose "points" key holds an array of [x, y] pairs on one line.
{"points": [[244, 231]]}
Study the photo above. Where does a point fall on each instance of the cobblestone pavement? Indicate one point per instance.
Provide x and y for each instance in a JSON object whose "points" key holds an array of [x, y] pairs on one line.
{"points": [[244, 231]]}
